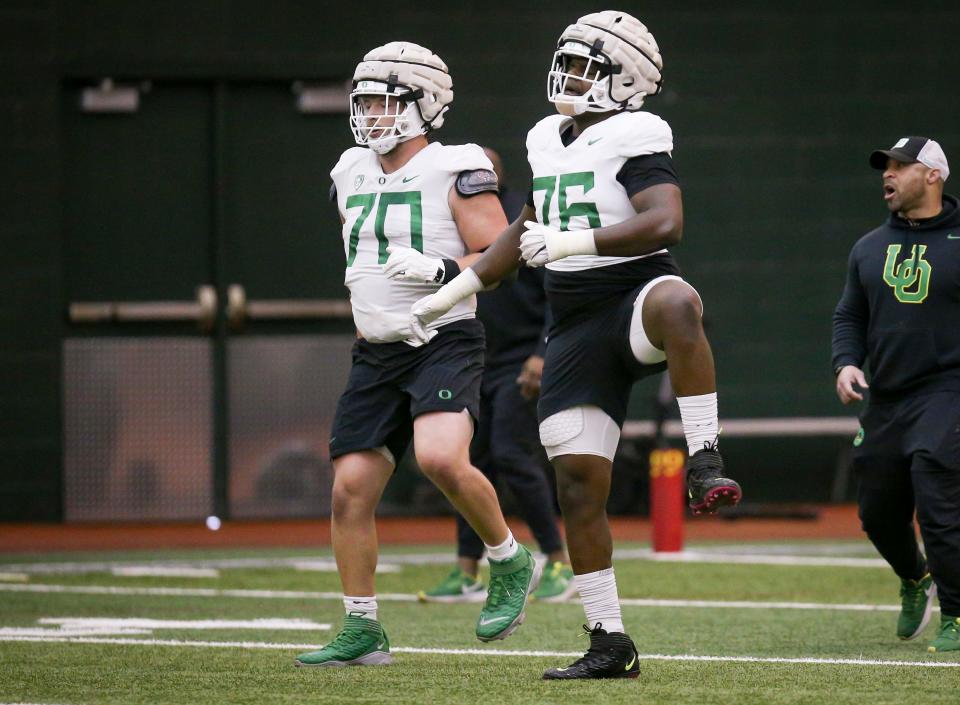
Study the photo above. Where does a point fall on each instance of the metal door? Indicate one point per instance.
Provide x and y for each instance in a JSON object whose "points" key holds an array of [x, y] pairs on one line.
{"points": [[209, 329]]}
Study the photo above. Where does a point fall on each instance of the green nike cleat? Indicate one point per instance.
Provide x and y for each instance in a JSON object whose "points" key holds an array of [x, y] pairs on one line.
{"points": [[916, 600], [510, 583], [949, 637], [456, 587], [556, 585], [361, 642]]}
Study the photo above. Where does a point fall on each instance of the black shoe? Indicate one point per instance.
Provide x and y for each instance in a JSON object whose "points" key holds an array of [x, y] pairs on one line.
{"points": [[706, 484], [609, 656]]}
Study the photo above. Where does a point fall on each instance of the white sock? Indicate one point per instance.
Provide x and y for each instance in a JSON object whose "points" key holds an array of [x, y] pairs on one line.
{"points": [[699, 417], [598, 593], [366, 606], [504, 551]]}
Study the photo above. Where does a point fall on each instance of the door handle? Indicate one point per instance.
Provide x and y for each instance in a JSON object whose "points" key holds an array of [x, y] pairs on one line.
{"points": [[203, 310], [240, 308]]}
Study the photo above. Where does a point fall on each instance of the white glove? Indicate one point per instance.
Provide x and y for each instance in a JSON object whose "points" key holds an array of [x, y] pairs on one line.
{"points": [[541, 244], [408, 265], [423, 313], [430, 308]]}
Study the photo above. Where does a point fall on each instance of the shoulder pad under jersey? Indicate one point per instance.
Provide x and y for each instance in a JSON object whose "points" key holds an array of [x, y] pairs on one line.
{"points": [[540, 136], [454, 158], [640, 132]]}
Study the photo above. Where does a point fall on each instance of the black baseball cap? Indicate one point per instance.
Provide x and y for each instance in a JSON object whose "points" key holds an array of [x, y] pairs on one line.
{"points": [[912, 150]]}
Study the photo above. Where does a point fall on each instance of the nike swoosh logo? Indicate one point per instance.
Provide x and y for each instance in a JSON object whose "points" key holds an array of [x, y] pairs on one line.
{"points": [[485, 622], [410, 178], [953, 237], [632, 661], [381, 645], [594, 141]]}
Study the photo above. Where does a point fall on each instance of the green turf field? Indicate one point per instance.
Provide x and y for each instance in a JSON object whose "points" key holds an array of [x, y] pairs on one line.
{"points": [[692, 652]]}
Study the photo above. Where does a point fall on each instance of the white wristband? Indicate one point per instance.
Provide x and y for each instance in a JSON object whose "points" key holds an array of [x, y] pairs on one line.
{"points": [[572, 242], [457, 289]]}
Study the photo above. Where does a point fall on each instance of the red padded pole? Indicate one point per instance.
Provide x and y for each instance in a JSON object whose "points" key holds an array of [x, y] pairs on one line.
{"points": [[668, 498]]}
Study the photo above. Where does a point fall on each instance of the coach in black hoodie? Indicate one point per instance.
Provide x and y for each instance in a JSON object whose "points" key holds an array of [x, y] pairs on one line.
{"points": [[900, 310]]}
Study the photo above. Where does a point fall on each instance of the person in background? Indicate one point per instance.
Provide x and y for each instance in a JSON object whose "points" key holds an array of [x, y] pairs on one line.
{"points": [[900, 309]]}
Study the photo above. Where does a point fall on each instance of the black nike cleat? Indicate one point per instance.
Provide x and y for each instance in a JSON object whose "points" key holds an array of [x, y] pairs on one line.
{"points": [[609, 656], [708, 488]]}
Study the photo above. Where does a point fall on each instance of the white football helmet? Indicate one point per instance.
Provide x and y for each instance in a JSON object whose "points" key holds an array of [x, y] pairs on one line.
{"points": [[416, 89], [623, 64]]}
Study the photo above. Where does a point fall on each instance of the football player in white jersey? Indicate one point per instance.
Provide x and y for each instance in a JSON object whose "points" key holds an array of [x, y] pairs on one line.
{"points": [[412, 212], [605, 203]]}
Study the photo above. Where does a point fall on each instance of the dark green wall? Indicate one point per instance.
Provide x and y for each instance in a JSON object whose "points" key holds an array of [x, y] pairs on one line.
{"points": [[774, 107], [30, 271]]}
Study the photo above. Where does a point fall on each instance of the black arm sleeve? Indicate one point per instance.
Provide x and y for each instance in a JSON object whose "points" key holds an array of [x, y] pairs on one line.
{"points": [[639, 173], [850, 320], [530, 198]]}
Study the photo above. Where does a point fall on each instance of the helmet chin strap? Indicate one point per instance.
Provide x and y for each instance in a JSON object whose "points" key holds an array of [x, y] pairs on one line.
{"points": [[385, 145], [595, 100], [570, 108]]}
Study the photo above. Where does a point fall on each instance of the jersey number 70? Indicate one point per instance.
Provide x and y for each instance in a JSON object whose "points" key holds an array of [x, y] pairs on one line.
{"points": [[367, 201], [559, 185]]}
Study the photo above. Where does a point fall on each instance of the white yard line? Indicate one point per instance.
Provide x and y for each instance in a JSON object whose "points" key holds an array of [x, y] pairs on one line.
{"points": [[850, 548], [489, 652], [754, 559], [329, 566], [194, 592], [16, 632], [765, 554], [14, 577], [163, 571], [300, 625], [685, 657], [69, 627], [401, 597], [392, 563], [759, 605]]}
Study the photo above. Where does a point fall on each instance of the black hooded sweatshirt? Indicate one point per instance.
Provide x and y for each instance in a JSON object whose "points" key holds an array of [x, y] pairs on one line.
{"points": [[900, 308]]}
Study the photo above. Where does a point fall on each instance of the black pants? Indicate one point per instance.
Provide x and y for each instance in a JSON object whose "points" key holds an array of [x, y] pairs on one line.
{"points": [[909, 460], [507, 443]]}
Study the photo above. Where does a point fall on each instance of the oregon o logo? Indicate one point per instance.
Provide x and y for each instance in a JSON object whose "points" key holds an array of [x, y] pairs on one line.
{"points": [[858, 441], [445, 394], [910, 279]]}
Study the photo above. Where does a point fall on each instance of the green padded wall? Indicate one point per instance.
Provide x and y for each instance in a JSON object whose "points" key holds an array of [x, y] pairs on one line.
{"points": [[774, 109]]}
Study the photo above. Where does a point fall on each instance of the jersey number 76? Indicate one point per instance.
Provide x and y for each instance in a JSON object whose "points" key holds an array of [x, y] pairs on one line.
{"points": [[559, 185]]}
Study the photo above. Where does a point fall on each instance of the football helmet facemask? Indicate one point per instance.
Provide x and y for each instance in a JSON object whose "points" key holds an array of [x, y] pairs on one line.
{"points": [[415, 91], [623, 64]]}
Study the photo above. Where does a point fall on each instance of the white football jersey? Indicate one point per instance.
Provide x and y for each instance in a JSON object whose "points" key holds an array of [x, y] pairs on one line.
{"points": [[409, 208], [576, 187]]}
